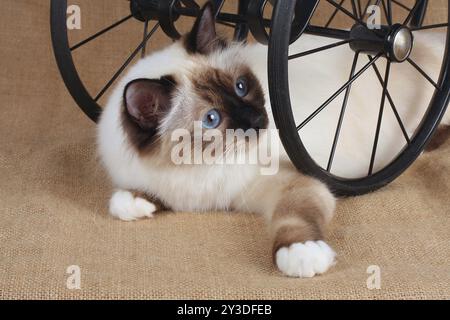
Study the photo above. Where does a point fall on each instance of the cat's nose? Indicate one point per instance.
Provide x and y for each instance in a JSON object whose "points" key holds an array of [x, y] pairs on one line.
{"points": [[246, 118]]}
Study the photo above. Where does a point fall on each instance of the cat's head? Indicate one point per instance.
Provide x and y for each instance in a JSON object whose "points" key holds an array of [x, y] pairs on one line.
{"points": [[216, 87]]}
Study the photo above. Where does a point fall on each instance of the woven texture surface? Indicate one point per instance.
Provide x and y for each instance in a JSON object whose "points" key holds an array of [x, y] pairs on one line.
{"points": [[54, 194]]}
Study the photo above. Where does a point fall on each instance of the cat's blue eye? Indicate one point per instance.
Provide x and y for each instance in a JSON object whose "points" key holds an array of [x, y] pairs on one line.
{"points": [[212, 119], [241, 87]]}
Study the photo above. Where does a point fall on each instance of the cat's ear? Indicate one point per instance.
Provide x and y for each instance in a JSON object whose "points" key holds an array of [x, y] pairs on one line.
{"points": [[147, 101], [203, 37]]}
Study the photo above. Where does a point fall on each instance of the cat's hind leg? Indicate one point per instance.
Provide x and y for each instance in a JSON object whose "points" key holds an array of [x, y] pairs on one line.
{"points": [[130, 206]]}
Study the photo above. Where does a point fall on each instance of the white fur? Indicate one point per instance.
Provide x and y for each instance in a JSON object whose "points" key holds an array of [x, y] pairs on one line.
{"points": [[305, 260], [125, 206]]}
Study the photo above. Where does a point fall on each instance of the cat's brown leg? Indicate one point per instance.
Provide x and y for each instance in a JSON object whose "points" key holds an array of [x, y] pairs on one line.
{"points": [[297, 209], [131, 205], [298, 226]]}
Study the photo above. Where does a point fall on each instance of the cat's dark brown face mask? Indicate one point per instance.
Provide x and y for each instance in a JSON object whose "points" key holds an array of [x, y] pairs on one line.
{"points": [[220, 99], [236, 100]]}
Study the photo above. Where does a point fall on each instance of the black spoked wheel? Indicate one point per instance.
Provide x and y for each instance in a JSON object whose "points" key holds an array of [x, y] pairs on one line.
{"points": [[377, 55], [153, 16]]}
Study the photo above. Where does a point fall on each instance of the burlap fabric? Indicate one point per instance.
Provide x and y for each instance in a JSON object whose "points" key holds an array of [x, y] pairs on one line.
{"points": [[54, 194]]}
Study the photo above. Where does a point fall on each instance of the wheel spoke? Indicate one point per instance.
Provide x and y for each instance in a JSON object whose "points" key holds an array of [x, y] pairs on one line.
{"points": [[359, 9], [355, 9], [336, 10], [98, 34], [380, 117], [423, 73], [388, 11], [391, 103], [227, 24], [337, 93], [363, 16], [144, 48], [126, 63], [433, 26], [401, 5], [377, 3], [341, 116], [327, 47], [411, 13], [345, 11]]}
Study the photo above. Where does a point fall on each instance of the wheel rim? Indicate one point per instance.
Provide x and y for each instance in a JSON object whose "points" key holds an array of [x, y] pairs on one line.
{"points": [[282, 107]]}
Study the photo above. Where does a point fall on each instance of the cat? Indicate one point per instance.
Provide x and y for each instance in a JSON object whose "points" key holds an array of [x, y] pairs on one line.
{"points": [[202, 78]]}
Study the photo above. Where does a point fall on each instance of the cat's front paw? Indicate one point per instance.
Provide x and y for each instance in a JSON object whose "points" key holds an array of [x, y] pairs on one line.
{"points": [[125, 206], [305, 260]]}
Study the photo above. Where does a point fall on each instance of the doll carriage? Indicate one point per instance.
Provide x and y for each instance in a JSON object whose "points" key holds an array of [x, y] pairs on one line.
{"points": [[278, 24]]}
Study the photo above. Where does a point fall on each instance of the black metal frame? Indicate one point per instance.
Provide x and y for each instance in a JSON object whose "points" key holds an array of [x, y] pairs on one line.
{"points": [[281, 106]]}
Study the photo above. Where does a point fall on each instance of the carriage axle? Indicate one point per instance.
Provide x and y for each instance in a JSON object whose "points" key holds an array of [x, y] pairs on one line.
{"points": [[396, 42]]}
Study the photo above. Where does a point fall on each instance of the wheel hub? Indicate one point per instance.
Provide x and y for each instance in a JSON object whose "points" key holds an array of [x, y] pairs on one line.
{"points": [[396, 42], [401, 42]]}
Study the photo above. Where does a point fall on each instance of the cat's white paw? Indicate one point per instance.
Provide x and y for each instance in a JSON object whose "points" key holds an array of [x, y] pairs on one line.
{"points": [[305, 260], [125, 206]]}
